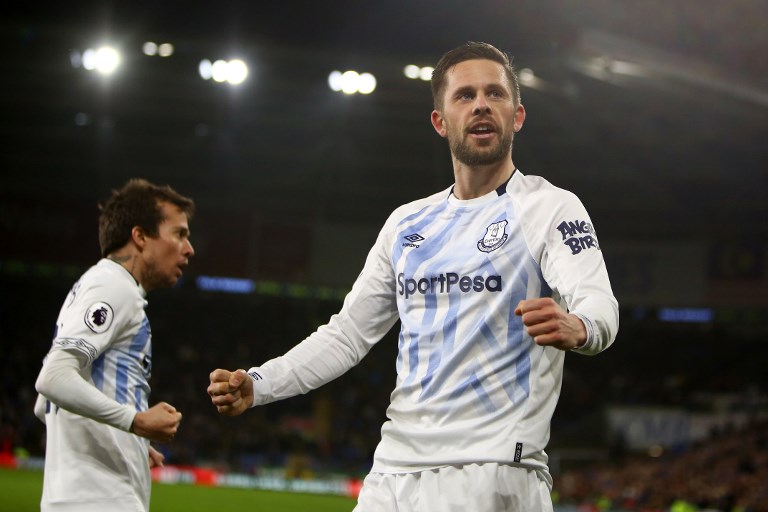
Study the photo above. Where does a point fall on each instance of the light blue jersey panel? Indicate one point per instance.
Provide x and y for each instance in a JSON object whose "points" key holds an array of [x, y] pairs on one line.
{"points": [[459, 277], [123, 372]]}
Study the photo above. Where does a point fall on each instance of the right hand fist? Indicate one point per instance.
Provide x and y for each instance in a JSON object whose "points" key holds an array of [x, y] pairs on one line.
{"points": [[231, 392], [159, 423]]}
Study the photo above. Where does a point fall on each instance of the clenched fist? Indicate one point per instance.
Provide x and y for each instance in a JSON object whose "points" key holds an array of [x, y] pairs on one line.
{"points": [[231, 392]]}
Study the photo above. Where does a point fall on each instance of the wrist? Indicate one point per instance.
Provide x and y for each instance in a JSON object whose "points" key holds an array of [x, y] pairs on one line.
{"points": [[584, 339]]}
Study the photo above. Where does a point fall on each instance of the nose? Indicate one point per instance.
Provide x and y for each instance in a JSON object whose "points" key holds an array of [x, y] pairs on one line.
{"points": [[481, 105], [188, 249]]}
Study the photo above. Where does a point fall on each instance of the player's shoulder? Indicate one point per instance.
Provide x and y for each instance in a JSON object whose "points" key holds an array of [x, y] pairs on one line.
{"points": [[106, 272], [419, 205], [533, 189], [108, 281]]}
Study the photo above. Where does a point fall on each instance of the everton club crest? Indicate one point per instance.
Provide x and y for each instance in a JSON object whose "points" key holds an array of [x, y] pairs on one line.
{"points": [[495, 236]]}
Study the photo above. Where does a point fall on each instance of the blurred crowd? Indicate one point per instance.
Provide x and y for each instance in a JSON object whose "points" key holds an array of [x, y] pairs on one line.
{"points": [[728, 472], [335, 429]]}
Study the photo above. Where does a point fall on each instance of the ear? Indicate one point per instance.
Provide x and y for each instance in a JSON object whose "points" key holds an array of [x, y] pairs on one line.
{"points": [[519, 118], [138, 237], [438, 123]]}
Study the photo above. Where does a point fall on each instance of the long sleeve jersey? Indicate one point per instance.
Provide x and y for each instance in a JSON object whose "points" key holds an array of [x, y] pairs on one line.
{"points": [[94, 380], [472, 386]]}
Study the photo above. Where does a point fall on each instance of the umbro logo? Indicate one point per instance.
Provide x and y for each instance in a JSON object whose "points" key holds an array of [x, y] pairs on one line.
{"points": [[413, 240]]}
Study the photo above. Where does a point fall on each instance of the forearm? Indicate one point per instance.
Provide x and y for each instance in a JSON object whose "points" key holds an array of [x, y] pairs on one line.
{"points": [[369, 311], [60, 382], [322, 357]]}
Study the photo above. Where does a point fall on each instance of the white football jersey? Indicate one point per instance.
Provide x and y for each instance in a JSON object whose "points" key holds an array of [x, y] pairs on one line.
{"points": [[472, 386], [90, 465]]}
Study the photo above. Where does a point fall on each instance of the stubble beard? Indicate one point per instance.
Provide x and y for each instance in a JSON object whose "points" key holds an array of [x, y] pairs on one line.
{"points": [[468, 155], [155, 279]]}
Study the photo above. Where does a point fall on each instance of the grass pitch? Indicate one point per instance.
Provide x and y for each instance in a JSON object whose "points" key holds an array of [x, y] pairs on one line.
{"points": [[20, 491]]}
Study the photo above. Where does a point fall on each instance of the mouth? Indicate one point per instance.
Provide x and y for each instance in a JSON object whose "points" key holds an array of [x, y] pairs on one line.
{"points": [[482, 130]]}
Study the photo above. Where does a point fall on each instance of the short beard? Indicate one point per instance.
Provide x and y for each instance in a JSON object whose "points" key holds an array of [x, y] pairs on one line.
{"points": [[471, 156], [154, 279]]}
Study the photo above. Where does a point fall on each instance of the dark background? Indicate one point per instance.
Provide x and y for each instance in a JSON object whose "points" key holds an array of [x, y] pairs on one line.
{"points": [[676, 152]]}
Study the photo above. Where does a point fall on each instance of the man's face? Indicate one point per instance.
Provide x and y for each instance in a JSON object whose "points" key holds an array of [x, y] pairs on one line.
{"points": [[166, 255], [479, 116]]}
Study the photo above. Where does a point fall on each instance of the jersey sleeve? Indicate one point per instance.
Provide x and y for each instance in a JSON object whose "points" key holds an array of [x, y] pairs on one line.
{"points": [[92, 317], [40, 406], [368, 313], [572, 264], [90, 321], [60, 381]]}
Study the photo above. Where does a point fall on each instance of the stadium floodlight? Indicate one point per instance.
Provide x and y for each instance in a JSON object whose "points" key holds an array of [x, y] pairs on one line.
{"points": [[237, 71], [149, 48], [415, 72], [412, 71], [366, 83], [351, 82], [165, 50], [219, 71], [104, 60], [526, 76], [334, 81], [205, 68], [426, 73], [233, 72]]}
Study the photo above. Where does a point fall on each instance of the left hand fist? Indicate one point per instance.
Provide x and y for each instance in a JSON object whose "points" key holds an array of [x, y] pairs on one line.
{"points": [[550, 325]]}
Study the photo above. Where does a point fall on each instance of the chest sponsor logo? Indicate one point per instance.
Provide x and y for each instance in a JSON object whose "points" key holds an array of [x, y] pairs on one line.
{"points": [[578, 236], [446, 283], [495, 236]]}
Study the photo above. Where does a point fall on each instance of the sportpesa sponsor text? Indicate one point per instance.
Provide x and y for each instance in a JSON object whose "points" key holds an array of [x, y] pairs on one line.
{"points": [[444, 283], [570, 232]]}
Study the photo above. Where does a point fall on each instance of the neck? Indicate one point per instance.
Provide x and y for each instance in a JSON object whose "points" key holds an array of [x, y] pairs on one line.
{"points": [[128, 262], [476, 181]]}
